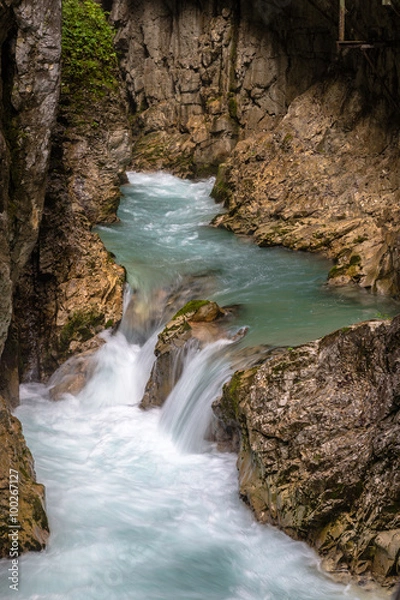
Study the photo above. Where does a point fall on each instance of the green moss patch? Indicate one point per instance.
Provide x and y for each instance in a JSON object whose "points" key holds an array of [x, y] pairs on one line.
{"points": [[89, 61], [191, 306], [81, 327]]}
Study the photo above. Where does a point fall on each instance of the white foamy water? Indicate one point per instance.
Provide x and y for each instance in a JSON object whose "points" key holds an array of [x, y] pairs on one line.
{"points": [[135, 517], [140, 506]]}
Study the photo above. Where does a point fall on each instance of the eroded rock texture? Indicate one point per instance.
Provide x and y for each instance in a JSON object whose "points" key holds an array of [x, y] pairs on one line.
{"points": [[29, 89], [202, 75], [319, 454]]}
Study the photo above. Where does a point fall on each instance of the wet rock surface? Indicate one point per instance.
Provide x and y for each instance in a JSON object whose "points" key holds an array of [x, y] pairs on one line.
{"points": [[324, 180], [317, 428], [198, 323], [18, 483]]}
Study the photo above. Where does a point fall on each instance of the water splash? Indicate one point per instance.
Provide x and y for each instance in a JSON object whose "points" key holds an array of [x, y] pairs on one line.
{"points": [[187, 411]]}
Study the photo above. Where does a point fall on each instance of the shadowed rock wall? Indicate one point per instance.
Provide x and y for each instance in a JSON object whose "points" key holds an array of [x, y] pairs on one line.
{"points": [[202, 75], [29, 89]]}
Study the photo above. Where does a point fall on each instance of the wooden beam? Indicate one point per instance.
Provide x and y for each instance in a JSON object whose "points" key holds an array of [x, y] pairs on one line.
{"points": [[342, 20]]}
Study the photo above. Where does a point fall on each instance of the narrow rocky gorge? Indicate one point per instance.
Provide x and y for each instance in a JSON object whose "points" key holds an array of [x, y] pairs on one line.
{"points": [[305, 139]]}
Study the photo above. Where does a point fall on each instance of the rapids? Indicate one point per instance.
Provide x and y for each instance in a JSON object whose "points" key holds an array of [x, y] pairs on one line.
{"points": [[141, 507]]}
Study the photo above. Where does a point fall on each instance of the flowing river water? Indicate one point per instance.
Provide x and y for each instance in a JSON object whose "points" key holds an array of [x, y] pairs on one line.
{"points": [[141, 507]]}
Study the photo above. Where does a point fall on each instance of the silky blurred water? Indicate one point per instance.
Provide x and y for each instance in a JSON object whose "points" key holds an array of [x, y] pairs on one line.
{"points": [[164, 234], [141, 507]]}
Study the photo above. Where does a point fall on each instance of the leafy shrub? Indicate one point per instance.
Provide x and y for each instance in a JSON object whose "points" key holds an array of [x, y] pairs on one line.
{"points": [[89, 61]]}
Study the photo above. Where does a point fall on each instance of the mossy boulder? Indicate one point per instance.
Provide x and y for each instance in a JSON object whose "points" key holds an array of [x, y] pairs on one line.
{"points": [[197, 323]]}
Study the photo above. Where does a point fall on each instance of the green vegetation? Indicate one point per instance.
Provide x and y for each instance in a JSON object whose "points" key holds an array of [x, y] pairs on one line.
{"points": [[221, 191], [81, 326], [89, 60], [286, 143], [355, 260], [232, 106], [191, 306], [360, 239]]}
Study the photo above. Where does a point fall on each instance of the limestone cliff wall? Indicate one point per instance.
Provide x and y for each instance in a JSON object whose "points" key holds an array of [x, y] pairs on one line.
{"points": [[202, 76], [30, 77], [71, 288], [29, 90]]}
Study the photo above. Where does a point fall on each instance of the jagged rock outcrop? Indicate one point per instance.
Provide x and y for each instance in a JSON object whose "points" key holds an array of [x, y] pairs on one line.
{"points": [[319, 453], [21, 498], [199, 322], [324, 180]]}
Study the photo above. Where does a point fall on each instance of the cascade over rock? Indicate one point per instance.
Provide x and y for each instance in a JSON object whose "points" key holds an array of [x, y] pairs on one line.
{"points": [[319, 457], [196, 324]]}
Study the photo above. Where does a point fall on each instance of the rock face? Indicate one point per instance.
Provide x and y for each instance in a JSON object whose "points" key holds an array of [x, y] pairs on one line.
{"points": [[324, 180], [71, 284], [21, 498], [319, 454], [202, 75], [30, 46], [29, 91], [197, 323]]}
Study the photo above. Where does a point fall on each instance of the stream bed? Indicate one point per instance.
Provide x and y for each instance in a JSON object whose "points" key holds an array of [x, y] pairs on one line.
{"points": [[140, 506]]}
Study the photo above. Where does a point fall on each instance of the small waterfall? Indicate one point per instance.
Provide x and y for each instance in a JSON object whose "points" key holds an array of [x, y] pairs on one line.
{"points": [[143, 314], [187, 413]]}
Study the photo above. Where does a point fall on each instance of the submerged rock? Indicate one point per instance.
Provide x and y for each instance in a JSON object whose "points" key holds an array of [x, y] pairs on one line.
{"points": [[318, 430]]}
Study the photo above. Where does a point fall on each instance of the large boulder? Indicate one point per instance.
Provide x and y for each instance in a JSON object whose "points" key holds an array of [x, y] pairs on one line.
{"points": [[319, 445], [199, 322]]}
